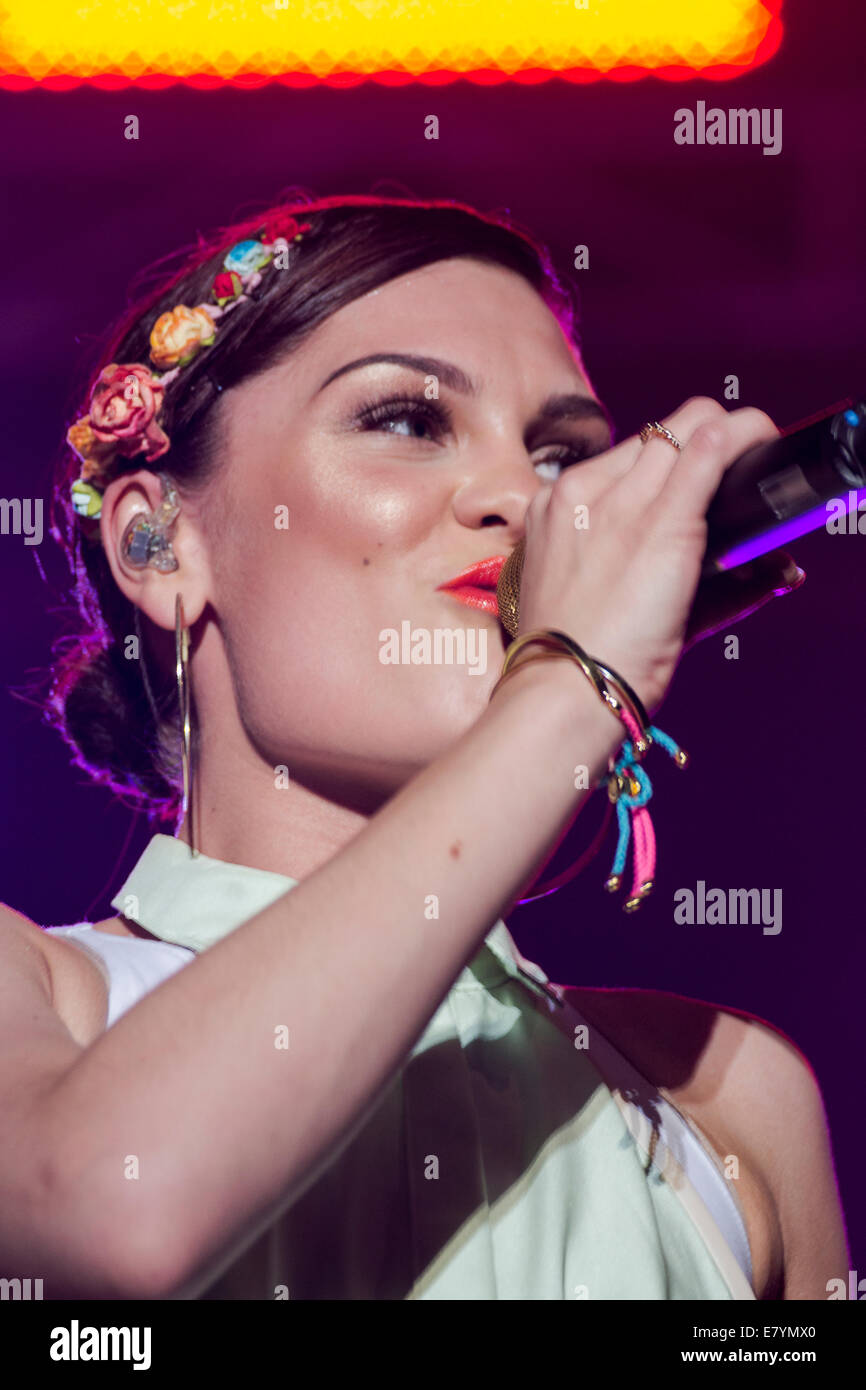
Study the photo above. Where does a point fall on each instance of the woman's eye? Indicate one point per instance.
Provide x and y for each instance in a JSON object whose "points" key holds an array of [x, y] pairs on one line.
{"points": [[412, 419], [554, 466], [417, 425]]}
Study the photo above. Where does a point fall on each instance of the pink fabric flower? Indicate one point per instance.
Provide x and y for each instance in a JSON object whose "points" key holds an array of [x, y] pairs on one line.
{"points": [[123, 409]]}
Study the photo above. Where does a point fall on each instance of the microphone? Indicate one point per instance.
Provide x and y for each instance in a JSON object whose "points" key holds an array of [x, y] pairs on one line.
{"points": [[768, 496]]}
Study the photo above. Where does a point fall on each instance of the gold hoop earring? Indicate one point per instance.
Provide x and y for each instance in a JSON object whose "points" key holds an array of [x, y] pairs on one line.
{"points": [[181, 651]]}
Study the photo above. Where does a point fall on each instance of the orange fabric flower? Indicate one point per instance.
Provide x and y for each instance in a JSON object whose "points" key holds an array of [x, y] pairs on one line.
{"points": [[178, 334], [92, 451]]}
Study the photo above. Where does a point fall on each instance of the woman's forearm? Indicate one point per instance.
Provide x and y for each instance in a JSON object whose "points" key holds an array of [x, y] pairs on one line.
{"points": [[226, 1125]]}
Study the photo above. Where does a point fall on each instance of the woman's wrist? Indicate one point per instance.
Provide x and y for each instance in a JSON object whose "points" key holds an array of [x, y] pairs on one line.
{"points": [[558, 691]]}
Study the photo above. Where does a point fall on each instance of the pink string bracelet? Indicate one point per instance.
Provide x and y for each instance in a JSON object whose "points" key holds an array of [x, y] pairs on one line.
{"points": [[629, 787]]}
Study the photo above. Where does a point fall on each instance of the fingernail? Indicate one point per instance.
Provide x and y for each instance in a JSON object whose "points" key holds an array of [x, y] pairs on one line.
{"points": [[795, 577]]}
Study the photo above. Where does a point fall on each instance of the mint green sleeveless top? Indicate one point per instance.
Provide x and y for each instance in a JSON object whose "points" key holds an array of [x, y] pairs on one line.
{"points": [[516, 1154]]}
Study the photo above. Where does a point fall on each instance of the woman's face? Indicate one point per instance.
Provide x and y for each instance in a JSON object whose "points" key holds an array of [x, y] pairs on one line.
{"points": [[350, 493]]}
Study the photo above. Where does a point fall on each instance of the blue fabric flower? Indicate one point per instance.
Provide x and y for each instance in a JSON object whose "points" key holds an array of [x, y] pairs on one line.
{"points": [[246, 257]]}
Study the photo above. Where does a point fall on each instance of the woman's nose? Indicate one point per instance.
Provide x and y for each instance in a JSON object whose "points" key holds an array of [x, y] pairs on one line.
{"points": [[499, 494]]}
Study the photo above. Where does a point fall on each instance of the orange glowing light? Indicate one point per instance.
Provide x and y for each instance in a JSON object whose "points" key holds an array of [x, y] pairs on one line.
{"points": [[208, 43]]}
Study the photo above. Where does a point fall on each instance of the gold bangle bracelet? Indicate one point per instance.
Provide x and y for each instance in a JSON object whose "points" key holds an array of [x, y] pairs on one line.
{"points": [[622, 695], [552, 637], [516, 666], [633, 704], [613, 689], [640, 715], [563, 646]]}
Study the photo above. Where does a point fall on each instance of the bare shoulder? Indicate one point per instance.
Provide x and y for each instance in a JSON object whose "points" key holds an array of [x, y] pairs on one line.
{"points": [[754, 1092], [32, 962], [34, 1040], [48, 982], [23, 940]]}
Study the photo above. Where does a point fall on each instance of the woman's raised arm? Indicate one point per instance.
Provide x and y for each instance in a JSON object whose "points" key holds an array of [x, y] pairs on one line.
{"points": [[226, 1128]]}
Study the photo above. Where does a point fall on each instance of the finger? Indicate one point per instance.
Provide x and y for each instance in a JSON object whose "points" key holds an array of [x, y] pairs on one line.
{"points": [[777, 569], [621, 458], [712, 447], [730, 597], [719, 615], [640, 484]]}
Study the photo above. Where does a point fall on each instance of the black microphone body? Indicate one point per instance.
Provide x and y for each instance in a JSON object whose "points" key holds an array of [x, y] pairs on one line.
{"points": [[777, 491]]}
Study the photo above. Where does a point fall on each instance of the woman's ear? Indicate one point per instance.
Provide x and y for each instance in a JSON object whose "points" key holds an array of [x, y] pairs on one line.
{"points": [[150, 589]]}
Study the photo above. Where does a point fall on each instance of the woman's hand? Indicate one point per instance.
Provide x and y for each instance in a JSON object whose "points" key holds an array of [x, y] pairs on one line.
{"points": [[624, 586]]}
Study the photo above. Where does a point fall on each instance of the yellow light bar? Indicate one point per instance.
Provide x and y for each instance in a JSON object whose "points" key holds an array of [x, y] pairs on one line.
{"points": [[207, 43]]}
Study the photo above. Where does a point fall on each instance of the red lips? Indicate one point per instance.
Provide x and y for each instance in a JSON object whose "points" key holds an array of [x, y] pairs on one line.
{"points": [[476, 586]]}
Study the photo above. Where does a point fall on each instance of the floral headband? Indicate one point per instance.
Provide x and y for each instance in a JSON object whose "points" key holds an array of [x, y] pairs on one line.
{"points": [[127, 400]]}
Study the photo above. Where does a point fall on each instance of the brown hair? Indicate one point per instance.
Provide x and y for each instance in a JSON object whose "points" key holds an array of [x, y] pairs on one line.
{"points": [[121, 723]]}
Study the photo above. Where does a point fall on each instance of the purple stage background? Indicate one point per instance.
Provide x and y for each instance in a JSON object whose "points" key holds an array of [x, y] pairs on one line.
{"points": [[704, 261]]}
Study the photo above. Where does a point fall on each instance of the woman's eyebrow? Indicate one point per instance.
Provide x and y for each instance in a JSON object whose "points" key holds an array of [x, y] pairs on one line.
{"points": [[572, 407], [560, 407], [452, 376]]}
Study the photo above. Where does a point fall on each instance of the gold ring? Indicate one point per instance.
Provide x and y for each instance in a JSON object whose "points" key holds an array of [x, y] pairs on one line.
{"points": [[653, 427]]}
